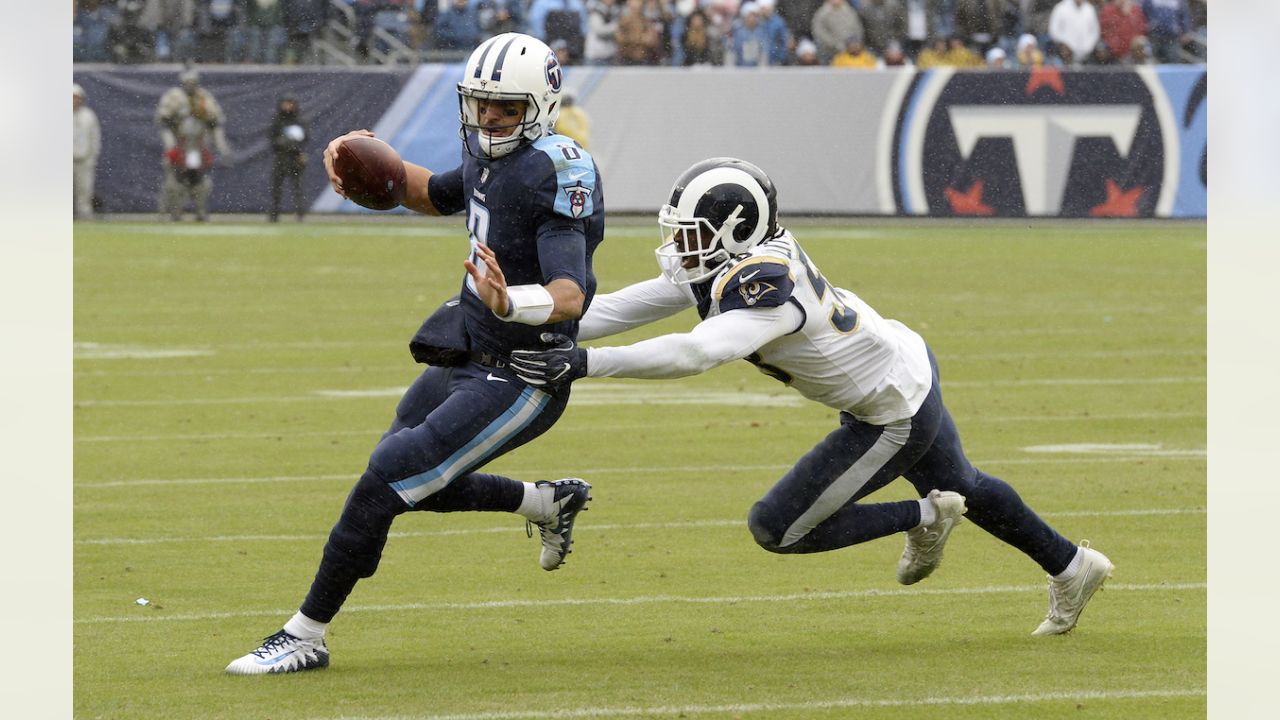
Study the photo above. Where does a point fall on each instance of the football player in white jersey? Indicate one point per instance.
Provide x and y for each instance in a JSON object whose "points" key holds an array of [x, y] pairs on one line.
{"points": [[763, 300]]}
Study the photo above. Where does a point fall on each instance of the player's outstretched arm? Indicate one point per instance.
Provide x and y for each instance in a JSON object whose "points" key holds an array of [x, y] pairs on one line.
{"points": [[560, 299], [711, 343], [635, 305]]}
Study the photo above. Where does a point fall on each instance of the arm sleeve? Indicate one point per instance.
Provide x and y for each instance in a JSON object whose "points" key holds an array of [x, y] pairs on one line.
{"points": [[631, 307], [444, 190], [562, 251], [714, 342]]}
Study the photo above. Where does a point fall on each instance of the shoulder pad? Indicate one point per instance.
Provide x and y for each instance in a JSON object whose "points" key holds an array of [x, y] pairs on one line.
{"points": [[576, 179], [758, 281]]}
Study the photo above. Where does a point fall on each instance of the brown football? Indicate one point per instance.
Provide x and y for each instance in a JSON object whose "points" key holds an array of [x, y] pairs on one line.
{"points": [[372, 173]]}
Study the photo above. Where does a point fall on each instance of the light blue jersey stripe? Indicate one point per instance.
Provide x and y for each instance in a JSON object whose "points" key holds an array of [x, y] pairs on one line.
{"points": [[506, 426], [575, 175]]}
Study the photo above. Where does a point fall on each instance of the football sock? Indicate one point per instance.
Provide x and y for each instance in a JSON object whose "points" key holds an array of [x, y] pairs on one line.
{"points": [[532, 505], [301, 626], [928, 513], [1073, 567]]}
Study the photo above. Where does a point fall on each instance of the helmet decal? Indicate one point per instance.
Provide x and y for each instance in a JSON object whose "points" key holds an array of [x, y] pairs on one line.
{"points": [[555, 75]]}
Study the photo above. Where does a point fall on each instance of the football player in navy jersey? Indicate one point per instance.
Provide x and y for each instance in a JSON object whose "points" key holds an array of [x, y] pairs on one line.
{"points": [[534, 207], [762, 299]]}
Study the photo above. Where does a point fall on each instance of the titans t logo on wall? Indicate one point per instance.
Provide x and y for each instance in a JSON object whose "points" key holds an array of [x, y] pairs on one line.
{"points": [[1044, 142]]}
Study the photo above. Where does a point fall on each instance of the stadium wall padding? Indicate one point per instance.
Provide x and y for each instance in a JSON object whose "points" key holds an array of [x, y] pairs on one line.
{"points": [[943, 143]]}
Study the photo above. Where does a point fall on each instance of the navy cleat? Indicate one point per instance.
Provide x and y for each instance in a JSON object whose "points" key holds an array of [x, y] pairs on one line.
{"points": [[562, 501], [282, 653]]}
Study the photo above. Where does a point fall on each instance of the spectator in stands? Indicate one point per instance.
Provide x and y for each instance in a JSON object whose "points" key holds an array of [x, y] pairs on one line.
{"points": [[1121, 21], [1168, 28], [855, 55], [960, 55], [700, 43], [833, 24], [1140, 52], [86, 145], [884, 21], [191, 126], [1073, 25], [458, 27], [218, 36], [566, 20], [979, 22], [778, 40], [750, 44], [997, 59], [659, 14], [925, 19], [894, 56], [798, 15], [303, 21], [639, 42], [264, 33], [1035, 17], [807, 53], [934, 55], [574, 121], [601, 45], [92, 26], [288, 137], [500, 16], [173, 22], [129, 39], [1028, 53]]}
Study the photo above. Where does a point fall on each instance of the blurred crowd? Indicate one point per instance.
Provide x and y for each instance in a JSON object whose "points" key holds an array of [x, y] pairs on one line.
{"points": [[744, 33]]}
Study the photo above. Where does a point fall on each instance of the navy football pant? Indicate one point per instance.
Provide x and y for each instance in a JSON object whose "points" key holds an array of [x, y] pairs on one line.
{"points": [[815, 508], [449, 422]]}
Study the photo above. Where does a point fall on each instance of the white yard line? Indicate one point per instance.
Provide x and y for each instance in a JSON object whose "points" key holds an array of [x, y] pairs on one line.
{"points": [[742, 708], [649, 393], [681, 421], [514, 528], [151, 615], [624, 470]]}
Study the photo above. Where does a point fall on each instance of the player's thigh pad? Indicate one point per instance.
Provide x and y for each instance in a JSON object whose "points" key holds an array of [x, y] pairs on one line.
{"points": [[484, 415]]}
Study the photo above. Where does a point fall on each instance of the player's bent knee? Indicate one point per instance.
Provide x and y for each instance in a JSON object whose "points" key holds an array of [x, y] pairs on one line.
{"points": [[766, 527]]}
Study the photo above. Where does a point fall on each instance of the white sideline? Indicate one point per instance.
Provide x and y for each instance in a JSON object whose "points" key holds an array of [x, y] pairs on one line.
{"points": [[846, 702], [154, 616], [512, 528]]}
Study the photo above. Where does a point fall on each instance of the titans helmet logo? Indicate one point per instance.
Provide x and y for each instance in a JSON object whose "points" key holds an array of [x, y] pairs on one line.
{"points": [[555, 75]]}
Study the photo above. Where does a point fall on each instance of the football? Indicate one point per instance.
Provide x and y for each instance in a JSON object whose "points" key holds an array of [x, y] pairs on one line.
{"points": [[372, 173]]}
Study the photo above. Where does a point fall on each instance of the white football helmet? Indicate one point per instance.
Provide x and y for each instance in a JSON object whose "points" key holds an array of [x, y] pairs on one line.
{"points": [[510, 66], [719, 208]]}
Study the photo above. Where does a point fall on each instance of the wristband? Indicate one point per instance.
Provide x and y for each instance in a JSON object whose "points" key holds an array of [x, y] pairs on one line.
{"points": [[528, 305]]}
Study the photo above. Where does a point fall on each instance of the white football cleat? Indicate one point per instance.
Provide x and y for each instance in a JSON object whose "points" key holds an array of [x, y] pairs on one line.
{"points": [[923, 551], [282, 653], [562, 501], [1067, 598]]}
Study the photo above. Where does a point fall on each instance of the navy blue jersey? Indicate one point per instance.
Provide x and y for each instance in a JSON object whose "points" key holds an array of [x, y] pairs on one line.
{"points": [[541, 210]]}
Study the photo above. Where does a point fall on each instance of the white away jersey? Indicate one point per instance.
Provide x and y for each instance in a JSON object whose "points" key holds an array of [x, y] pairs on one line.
{"points": [[844, 355], [837, 350]]}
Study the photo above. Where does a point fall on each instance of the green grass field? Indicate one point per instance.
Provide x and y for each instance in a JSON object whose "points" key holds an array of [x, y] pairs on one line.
{"points": [[231, 379]]}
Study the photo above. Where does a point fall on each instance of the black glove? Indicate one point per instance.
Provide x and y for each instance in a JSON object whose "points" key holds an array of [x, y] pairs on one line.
{"points": [[560, 363]]}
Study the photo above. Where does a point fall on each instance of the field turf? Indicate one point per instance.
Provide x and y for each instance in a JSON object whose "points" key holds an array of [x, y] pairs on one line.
{"points": [[232, 377]]}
